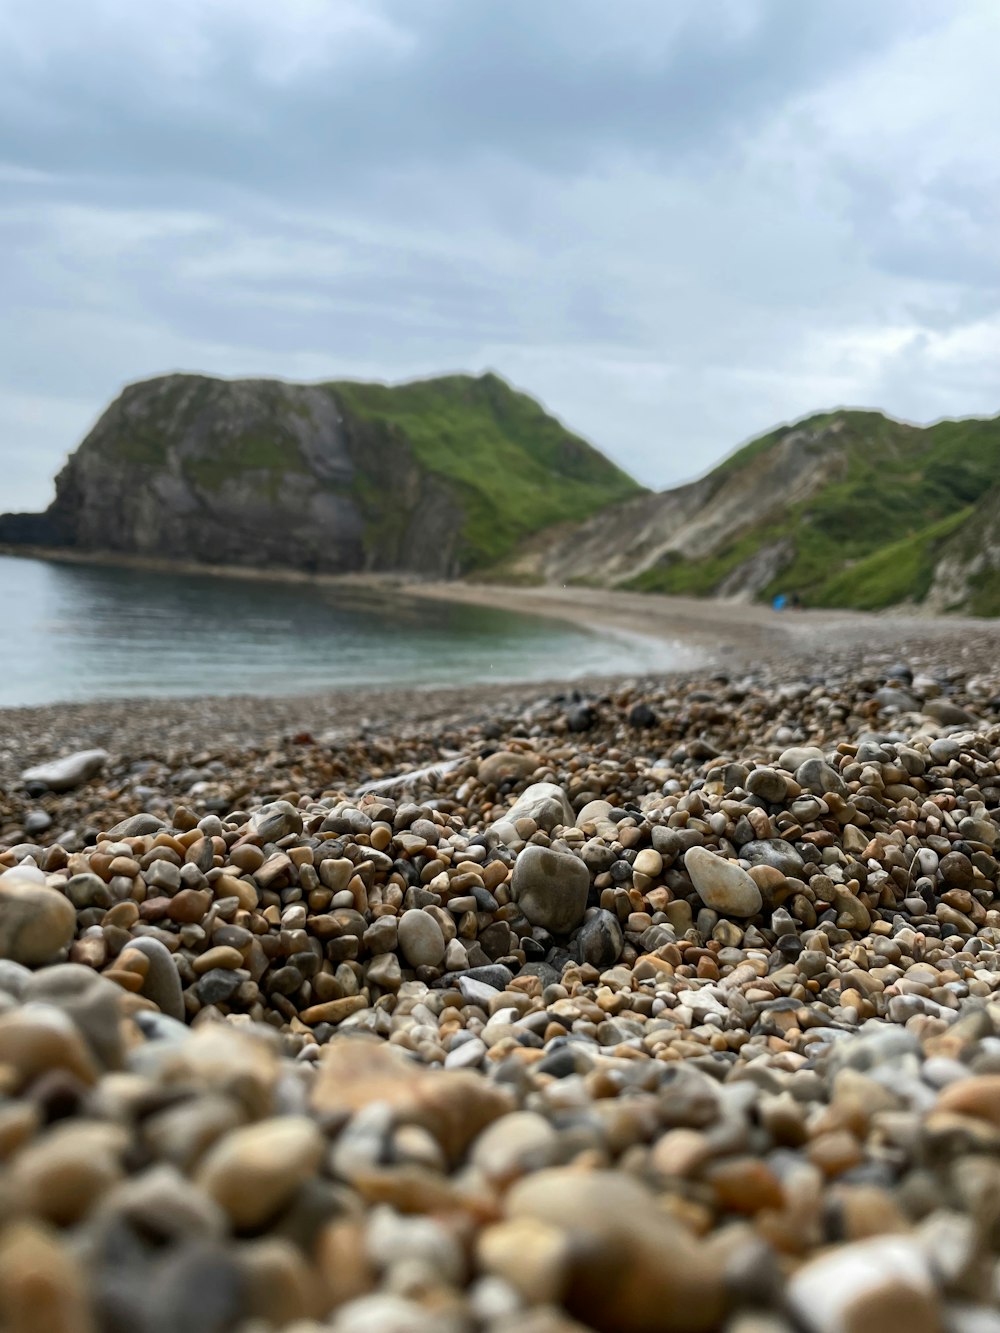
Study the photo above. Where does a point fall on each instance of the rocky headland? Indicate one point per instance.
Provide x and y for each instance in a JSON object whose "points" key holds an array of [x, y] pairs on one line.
{"points": [[462, 475], [437, 477], [655, 1005]]}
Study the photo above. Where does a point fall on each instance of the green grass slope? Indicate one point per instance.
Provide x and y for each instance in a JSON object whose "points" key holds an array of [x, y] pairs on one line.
{"points": [[868, 537], [900, 572], [513, 468]]}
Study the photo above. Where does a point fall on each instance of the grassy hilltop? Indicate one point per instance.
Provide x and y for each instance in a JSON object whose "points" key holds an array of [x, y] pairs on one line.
{"points": [[846, 508], [514, 468]]}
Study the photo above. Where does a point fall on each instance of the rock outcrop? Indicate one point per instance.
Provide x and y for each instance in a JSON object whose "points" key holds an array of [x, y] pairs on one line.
{"points": [[967, 570], [433, 478]]}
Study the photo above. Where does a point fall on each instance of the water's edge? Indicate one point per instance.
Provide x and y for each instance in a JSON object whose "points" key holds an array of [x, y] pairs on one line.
{"points": [[100, 629]]}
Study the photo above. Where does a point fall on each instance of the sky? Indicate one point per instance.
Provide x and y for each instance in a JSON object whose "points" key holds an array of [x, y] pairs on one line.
{"points": [[675, 224]]}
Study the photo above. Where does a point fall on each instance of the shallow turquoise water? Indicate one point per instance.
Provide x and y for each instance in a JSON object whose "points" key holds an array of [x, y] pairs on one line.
{"points": [[91, 632]]}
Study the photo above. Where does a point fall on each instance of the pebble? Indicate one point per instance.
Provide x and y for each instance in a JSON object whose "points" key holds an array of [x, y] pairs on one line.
{"points": [[601, 940], [64, 774], [551, 888], [506, 765], [514, 1145], [160, 982], [722, 885], [421, 939], [327, 1047], [884, 1283], [629, 1267], [254, 1171], [543, 802], [36, 922]]}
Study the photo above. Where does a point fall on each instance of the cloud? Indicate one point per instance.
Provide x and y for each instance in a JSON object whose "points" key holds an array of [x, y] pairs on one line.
{"points": [[675, 224]]}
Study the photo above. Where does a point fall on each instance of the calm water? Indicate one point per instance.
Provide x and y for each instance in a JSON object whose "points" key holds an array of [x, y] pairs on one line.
{"points": [[88, 632]]}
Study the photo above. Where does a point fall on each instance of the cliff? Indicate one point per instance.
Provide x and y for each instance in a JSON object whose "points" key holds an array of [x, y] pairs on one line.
{"points": [[436, 477], [846, 508]]}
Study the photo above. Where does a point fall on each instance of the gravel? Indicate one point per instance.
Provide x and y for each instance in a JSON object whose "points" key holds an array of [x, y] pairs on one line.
{"points": [[666, 1004]]}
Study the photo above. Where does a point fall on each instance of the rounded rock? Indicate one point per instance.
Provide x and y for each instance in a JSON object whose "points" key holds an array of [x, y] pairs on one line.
{"points": [[551, 888], [545, 803], [631, 1269], [600, 940], [774, 852], [795, 756], [768, 785], [506, 766], [514, 1145], [722, 885], [254, 1171], [65, 774], [648, 862], [161, 984], [817, 776], [421, 939], [36, 922]]}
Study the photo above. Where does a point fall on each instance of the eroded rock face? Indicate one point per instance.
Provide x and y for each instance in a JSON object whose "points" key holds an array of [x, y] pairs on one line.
{"points": [[250, 472], [696, 520], [328, 478]]}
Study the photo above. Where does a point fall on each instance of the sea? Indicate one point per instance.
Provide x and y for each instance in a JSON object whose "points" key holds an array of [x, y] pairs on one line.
{"points": [[75, 632]]}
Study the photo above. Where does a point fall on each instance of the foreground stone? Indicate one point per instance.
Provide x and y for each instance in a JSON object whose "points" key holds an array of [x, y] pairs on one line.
{"points": [[36, 922], [551, 888], [721, 884], [703, 1034]]}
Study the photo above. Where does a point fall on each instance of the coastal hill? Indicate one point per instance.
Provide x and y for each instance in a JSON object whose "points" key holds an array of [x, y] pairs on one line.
{"points": [[435, 477], [462, 475], [845, 509]]}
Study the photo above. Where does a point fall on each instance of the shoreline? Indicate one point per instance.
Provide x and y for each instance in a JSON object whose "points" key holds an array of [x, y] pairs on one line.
{"points": [[706, 635], [650, 615]]}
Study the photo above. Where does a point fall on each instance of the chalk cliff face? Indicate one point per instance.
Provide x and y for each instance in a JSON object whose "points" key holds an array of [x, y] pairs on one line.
{"points": [[331, 477], [690, 524]]}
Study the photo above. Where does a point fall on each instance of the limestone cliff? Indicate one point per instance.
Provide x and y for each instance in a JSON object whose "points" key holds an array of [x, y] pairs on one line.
{"points": [[967, 567], [435, 477]]}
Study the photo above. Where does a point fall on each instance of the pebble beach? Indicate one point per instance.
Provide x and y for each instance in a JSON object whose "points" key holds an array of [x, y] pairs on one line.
{"points": [[637, 1005]]}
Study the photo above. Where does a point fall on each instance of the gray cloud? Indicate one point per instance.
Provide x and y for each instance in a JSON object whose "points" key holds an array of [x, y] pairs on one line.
{"points": [[675, 224]]}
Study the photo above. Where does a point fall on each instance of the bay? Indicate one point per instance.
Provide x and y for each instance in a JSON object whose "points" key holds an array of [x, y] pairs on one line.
{"points": [[83, 632]]}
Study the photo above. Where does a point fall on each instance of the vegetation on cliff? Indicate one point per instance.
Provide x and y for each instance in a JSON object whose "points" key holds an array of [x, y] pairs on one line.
{"points": [[872, 528], [439, 476], [513, 468]]}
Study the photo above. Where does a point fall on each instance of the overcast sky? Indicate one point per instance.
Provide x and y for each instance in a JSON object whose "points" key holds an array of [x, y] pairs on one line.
{"points": [[675, 223]]}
